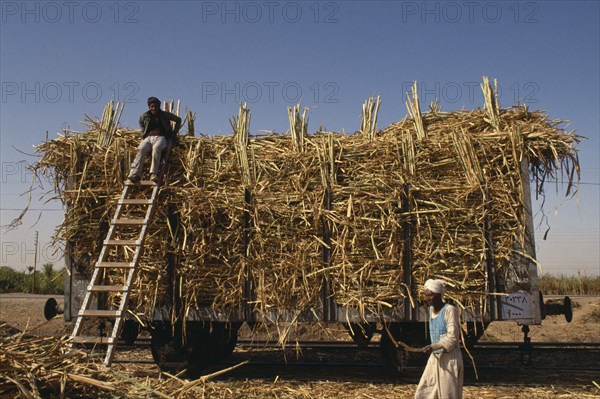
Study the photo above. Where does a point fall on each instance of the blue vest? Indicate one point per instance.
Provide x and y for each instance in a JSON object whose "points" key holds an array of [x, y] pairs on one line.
{"points": [[437, 326]]}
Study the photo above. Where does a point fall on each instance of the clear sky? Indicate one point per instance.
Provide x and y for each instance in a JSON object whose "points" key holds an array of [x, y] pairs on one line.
{"points": [[61, 59]]}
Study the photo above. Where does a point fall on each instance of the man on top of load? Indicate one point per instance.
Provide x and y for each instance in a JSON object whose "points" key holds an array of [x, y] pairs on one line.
{"points": [[157, 134]]}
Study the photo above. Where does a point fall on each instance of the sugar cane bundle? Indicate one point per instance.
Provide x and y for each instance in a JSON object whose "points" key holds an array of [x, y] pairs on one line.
{"points": [[265, 208]]}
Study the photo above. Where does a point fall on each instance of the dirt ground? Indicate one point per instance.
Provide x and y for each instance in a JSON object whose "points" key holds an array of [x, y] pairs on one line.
{"points": [[20, 312]]}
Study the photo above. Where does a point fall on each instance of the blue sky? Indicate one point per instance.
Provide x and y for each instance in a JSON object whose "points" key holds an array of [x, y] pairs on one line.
{"points": [[59, 60]]}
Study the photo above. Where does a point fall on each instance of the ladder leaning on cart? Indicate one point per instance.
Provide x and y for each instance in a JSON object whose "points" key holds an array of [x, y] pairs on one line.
{"points": [[96, 285]]}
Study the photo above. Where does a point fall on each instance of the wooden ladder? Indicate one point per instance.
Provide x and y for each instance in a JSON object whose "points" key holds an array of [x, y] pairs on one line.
{"points": [[128, 268]]}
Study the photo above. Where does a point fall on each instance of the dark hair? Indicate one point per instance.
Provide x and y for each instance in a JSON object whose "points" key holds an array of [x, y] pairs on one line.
{"points": [[153, 100]]}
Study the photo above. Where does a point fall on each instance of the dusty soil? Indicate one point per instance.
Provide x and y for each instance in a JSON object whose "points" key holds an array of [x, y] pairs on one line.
{"points": [[25, 312], [20, 313]]}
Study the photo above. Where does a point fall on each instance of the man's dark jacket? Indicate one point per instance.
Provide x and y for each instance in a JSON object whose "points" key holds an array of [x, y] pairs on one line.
{"points": [[165, 119]]}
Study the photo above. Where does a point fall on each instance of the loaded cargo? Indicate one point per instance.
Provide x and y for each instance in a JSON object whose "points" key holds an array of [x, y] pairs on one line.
{"points": [[329, 227]]}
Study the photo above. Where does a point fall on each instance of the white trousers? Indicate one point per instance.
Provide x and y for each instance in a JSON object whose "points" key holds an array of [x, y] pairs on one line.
{"points": [[156, 144]]}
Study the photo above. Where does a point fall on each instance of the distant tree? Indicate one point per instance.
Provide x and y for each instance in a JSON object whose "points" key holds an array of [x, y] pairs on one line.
{"points": [[48, 269], [10, 280], [48, 272], [51, 281]]}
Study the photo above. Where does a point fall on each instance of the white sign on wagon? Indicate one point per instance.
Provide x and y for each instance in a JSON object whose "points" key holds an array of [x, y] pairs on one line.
{"points": [[516, 305]]}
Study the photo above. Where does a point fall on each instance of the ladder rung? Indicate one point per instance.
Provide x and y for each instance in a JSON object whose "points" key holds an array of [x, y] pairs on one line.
{"points": [[93, 340], [116, 265], [121, 242], [100, 313], [129, 221], [108, 288], [141, 183], [135, 202]]}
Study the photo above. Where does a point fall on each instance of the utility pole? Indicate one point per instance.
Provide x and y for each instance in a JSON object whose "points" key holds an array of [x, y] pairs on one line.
{"points": [[35, 261]]}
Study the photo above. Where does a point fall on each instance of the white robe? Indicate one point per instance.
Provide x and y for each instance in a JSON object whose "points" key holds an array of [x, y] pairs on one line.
{"points": [[443, 375]]}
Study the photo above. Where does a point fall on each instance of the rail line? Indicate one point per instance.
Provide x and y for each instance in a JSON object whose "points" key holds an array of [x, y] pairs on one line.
{"points": [[377, 372], [349, 345], [265, 355], [485, 345]]}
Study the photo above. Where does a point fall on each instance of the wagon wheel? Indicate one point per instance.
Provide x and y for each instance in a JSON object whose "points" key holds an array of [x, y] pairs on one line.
{"points": [[474, 331], [229, 341], [174, 354], [393, 357], [393, 354], [130, 331], [221, 339], [205, 344]]}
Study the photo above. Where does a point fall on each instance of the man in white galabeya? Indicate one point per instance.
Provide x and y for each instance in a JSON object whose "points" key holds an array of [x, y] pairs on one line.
{"points": [[443, 375]]}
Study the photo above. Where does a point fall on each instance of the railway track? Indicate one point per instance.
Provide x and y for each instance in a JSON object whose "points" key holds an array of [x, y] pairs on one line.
{"points": [[349, 345], [308, 359], [483, 345], [374, 373]]}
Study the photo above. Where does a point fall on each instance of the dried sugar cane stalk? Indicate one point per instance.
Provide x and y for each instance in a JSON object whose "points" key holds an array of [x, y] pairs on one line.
{"points": [[167, 105], [105, 123], [408, 152], [321, 149], [414, 110], [191, 121], [331, 158], [110, 122], [121, 107], [435, 107], [467, 157], [298, 126], [491, 103], [325, 151], [241, 127], [375, 115], [370, 110]]}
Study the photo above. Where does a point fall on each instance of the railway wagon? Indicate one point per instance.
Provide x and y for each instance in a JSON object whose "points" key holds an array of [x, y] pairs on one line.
{"points": [[327, 227]]}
